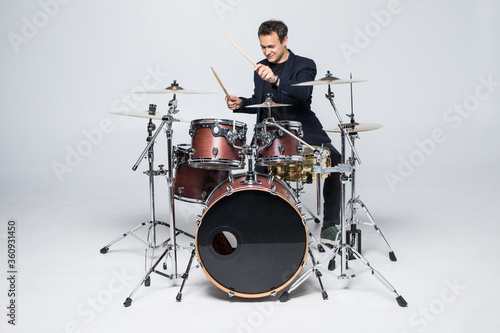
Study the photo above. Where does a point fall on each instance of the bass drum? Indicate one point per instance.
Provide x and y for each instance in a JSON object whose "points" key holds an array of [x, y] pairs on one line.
{"points": [[251, 240]]}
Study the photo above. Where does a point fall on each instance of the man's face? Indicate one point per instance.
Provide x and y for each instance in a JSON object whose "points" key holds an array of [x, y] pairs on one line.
{"points": [[272, 48]]}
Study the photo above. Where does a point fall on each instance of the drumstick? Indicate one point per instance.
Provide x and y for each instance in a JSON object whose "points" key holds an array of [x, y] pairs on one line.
{"points": [[249, 59], [222, 86]]}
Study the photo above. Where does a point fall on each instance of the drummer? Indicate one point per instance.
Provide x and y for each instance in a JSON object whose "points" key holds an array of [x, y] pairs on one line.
{"points": [[275, 76]]}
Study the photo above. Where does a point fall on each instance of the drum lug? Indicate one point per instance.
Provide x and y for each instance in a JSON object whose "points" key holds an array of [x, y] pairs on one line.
{"points": [[203, 195], [231, 294], [273, 189], [281, 149], [229, 190], [300, 149], [215, 151], [216, 130], [198, 220], [231, 177], [180, 190]]}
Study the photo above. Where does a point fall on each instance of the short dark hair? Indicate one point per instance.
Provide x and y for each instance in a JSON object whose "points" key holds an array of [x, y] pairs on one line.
{"points": [[280, 28]]}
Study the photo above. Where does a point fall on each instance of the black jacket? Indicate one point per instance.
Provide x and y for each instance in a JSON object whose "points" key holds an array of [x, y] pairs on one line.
{"points": [[297, 69]]}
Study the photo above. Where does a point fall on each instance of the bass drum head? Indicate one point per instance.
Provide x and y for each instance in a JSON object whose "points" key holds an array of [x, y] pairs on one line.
{"points": [[251, 243]]}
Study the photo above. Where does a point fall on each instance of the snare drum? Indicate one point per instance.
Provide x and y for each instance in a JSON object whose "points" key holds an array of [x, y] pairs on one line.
{"points": [[276, 147], [251, 239], [302, 172], [215, 144], [193, 184]]}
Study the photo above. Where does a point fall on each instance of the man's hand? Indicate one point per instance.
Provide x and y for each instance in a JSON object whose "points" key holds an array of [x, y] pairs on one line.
{"points": [[233, 102], [266, 73]]}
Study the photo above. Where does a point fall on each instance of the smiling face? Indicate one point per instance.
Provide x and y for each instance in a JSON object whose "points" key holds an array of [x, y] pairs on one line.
{"points": [[274, 50]]}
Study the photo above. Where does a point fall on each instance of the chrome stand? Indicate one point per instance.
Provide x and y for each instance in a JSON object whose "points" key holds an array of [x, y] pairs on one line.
{"points": [[171, 247], [354, 234], [152, 223], [343, 249]]}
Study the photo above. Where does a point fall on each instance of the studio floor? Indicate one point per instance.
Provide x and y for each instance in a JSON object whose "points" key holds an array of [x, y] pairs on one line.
{"points": [[444, 238]]}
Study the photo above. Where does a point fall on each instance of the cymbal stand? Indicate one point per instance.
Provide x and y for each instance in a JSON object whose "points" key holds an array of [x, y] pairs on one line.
{"points": [[171, 244], [343, 248], [152, 223], [354, 234]]}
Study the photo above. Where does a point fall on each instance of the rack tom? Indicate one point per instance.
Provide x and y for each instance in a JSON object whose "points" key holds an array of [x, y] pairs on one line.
{"points": [[216, 144], [275, 146]]}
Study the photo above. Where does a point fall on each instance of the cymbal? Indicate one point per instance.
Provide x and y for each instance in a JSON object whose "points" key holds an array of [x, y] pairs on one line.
{"points": [[357, 128], [174, 88], [267, 105], [327, 80], [145, 114]]}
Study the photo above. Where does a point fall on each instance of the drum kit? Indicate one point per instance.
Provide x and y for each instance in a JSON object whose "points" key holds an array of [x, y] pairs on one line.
{"points": [[251, 238]]}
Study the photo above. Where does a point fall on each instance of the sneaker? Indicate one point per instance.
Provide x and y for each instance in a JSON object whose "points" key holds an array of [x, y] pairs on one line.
{"points": [[329, 236]]}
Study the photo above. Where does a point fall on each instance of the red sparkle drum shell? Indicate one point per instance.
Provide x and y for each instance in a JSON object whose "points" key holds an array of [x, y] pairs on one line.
{"points": [[193, 184], [214, 144], [252, 240], [276, 147]]}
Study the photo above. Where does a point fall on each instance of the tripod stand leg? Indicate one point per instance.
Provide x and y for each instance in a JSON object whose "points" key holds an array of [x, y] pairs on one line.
{"points": [[401, 301], [286, 295], [392, 256], [105, 249], [185, 276], [145, 279]]}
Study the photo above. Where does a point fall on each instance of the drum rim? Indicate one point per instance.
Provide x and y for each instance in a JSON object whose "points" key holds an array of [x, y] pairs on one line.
{"points": [[292, 123], [209, 121], [246, 188], [230, 164]]}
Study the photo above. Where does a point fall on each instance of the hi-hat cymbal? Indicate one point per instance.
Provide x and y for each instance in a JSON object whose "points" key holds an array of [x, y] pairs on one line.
{"points": [[147, 115], [267, 105], [174, 88], [357, 128]]}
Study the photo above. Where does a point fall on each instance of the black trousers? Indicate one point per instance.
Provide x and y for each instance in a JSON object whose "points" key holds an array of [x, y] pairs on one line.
{"points": [[332, 191]]}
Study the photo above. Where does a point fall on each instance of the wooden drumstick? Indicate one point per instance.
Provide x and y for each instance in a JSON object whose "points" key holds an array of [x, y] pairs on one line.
{"points": [[249, 59], [222, 86]]}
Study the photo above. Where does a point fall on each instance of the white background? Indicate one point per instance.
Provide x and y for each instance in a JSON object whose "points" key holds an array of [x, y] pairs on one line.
{"points": [[429, 176]]}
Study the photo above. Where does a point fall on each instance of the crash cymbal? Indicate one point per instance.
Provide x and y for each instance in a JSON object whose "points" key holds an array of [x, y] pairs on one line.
{"points": [[147, 115], [267, 105], [174, 88], [328, 79], [357, 128]]}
